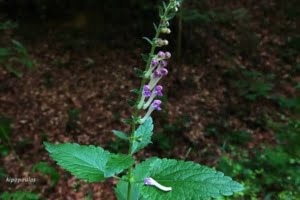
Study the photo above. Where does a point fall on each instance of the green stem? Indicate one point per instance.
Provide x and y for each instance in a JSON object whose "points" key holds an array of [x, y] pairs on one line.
{"points": [[136, 110]]}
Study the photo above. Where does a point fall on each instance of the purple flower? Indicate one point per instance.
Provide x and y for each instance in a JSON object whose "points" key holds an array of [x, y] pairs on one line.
{"points": [[167, 54], [158, 90], [146, 91], [161, 54], [163, 63], [154, 63], [156, 104], [157, 74], [163, 71]]}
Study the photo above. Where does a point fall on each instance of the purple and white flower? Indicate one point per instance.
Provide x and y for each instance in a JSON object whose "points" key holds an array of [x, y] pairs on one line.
{"points": [[154, 63], [156, 76], [145, 93], [151, 182], [154, 106], [156, 92], [163, 63]]}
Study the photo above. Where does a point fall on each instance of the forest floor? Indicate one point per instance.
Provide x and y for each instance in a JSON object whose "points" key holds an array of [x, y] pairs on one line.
{"points": [[200, 103]]}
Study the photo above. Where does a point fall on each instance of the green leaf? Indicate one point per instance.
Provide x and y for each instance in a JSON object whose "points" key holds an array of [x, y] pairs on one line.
{"points": [[19, 47], [4, 52], [131, 102], [160, 11], [90, 163], [138, 72], [148, 40], [46, 169], [155, 27], [145, 57], [120, 134], [85, 162], [170, 16], [142, 135], [19, 195], [187, 179], [117, 163], [13, 70], [135, 91]]}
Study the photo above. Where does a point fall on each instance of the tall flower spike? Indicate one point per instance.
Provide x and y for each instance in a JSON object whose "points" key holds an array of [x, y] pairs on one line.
{"points": [[151, 181], [146, 93], [154, 106], [156, 76], [157, 92]]}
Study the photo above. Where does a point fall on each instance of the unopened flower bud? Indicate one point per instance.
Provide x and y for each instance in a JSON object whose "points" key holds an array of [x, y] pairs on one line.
{"points": [[167, 54], [165, 42], [161, 54], [166, 30], [154, 63], [159, 42], [163, 71]]}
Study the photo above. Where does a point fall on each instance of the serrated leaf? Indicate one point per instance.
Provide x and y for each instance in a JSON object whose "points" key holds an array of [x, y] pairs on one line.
{"points": [[188, 180], [90, 163], [142, 135], [117, 163], [120, 134], [148, 40]]}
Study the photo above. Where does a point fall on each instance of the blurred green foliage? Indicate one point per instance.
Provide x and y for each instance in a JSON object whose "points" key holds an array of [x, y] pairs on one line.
{"points": [[45, 169], [15, 55], [73, 119], [271, 173], [251, 84], [19, 195]]}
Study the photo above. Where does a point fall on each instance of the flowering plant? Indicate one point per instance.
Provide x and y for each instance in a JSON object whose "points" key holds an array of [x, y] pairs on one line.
{"points": [[154, 178]]}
